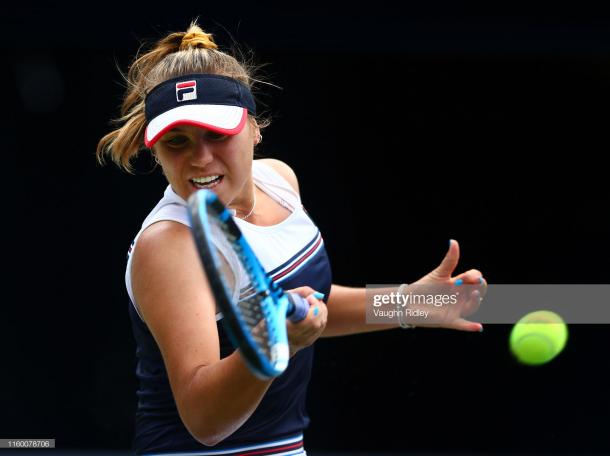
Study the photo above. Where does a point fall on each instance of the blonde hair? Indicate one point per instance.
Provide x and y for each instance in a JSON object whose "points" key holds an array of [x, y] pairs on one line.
{"points": [[179, 53]]}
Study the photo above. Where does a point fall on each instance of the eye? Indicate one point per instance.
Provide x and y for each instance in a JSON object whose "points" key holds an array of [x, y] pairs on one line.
{"points": [[176, 141], [214, 136]]}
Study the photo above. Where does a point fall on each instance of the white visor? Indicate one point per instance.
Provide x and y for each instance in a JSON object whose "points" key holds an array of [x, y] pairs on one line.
{"points": [[228, 120]]}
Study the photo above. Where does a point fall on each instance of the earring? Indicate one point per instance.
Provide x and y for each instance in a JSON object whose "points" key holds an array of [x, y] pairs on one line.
{"points": [[259, 138]]}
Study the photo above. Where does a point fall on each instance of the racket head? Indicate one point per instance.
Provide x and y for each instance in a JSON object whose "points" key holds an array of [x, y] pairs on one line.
{"points": [[252, 305]]}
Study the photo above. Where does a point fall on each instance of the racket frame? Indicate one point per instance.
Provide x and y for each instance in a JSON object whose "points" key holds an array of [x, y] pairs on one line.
{"points": [[275, 304]]}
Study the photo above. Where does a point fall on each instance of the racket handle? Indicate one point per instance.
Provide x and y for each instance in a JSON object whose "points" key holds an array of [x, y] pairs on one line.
{"points": [[297, 307]]}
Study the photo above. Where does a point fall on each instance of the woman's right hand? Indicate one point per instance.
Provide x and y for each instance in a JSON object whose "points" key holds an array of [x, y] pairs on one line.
{"points": [[305, 332]]}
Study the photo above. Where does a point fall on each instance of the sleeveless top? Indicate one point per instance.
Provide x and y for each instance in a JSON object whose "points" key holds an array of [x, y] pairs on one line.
{"points": [[292, 252]]}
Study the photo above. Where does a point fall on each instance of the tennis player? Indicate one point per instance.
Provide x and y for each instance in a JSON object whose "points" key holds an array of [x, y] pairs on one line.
{"points": [[190, 104]]}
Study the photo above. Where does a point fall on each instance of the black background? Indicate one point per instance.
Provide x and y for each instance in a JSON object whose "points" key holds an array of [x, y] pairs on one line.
{"points": [[407, 126]]}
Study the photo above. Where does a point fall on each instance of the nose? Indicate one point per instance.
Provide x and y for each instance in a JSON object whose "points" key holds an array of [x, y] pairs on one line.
{"points": [[203, 153]]}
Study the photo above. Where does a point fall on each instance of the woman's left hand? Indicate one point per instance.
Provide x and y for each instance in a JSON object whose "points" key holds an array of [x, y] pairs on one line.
{"points": [[451, 316]]}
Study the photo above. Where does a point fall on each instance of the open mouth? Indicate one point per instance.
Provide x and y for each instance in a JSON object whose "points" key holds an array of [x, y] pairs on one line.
{"points": [[207, 181]]}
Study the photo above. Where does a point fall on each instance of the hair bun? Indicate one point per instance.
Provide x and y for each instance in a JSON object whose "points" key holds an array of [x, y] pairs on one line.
{"points": [[197, 39]]}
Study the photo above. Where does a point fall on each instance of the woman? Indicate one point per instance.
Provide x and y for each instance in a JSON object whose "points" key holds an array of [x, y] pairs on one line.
{"points": [[191, 105]]}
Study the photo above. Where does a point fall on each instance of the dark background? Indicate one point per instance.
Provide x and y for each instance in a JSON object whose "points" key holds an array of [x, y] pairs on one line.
{"points": [[407, 126]]}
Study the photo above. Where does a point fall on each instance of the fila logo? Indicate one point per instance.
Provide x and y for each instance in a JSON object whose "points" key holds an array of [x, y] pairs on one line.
{"points": [[186, 91]]}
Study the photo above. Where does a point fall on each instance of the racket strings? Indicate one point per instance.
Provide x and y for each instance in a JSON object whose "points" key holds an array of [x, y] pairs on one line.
{"points": [[253, 316], [250, 305]]}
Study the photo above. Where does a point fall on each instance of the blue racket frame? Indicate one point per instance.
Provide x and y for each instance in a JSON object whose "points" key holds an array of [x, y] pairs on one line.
{"points": [[275, 304]]}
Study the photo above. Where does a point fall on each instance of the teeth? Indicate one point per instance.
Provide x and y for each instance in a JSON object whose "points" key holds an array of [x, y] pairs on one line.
{"points": [[204, 180]]}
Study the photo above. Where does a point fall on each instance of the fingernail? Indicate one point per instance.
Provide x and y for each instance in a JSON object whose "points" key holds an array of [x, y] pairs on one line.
{"points": [[481, 280], [318, 295], [316, 310], [481, 329], [458, 282], [450, 242]]}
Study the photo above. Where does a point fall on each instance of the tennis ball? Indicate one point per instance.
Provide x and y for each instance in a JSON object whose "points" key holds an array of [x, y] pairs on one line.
{"points": [[538, 337]]}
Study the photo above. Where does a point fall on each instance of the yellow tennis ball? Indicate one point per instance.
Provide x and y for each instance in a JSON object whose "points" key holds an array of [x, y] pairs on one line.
{"points": [[538, 337]]}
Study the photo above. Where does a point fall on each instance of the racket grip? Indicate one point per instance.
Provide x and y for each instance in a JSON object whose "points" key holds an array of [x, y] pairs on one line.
{"points": [[297, 307]]}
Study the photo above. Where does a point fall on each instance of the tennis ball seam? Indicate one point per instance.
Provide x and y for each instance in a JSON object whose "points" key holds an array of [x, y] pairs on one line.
{"points": [[551, 351], [538, 337]]}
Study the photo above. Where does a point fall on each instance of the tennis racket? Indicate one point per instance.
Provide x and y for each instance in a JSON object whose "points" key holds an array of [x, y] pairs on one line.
{"points": [[254, 308]]}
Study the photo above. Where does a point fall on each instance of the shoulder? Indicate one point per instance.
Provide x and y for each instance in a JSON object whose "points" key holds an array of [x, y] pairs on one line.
{"points": [[283, 170], [155, 240], [160, 257], [162, 253]]}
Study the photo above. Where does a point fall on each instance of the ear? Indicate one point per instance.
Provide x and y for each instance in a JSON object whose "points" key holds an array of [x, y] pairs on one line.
{"points": [[257, 135]]}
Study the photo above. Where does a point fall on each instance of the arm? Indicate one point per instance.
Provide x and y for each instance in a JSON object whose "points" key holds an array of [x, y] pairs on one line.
{"points": [[347, 313], [214, 397], [347, 306]]}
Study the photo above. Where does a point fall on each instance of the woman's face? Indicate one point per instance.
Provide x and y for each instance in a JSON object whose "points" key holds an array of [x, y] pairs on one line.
{"points": [[193, 158]]}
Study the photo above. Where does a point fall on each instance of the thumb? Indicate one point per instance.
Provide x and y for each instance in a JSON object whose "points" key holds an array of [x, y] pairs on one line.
{"points": [[449, 263]]}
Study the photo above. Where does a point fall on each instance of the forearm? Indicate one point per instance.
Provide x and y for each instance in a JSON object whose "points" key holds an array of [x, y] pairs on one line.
{"points": [[347, 312], [220, 398]]}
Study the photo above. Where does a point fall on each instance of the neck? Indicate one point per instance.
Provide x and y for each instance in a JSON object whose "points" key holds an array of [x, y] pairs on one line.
{"points": [[251, 211], [244, 207]]}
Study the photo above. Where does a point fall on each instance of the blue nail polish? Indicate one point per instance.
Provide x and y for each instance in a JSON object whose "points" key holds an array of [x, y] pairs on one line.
{"points": [[481, 330], [458, 282], [318, 295], [315, 311], [481, 280]]}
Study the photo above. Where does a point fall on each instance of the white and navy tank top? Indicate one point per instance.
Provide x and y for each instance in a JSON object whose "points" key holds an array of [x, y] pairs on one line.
{"points": [[292, 252]]}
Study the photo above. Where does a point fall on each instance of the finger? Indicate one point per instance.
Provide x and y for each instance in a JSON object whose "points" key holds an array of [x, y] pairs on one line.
{"points": [[314, 310], [449, 263], [483, 287], [303, 291], [472, 304], [317, 309], [464, 325], [471, 277], [314, 298]]}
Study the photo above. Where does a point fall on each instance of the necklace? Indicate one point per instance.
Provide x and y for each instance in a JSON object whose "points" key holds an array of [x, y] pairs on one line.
{"points": [[251, 210]]}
